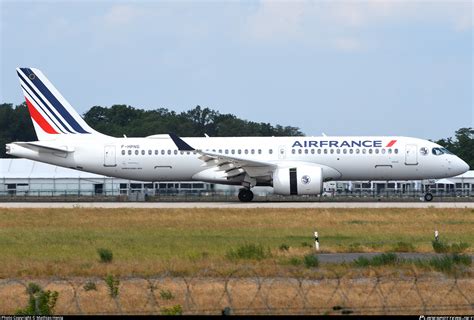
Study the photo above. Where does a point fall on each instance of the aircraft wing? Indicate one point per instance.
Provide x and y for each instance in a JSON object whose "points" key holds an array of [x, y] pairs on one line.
{"points": [[232, 166]]}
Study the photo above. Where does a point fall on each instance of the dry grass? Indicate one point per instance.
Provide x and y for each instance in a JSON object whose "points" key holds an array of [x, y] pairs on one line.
{"points": [[383, 295], [63, 242]]}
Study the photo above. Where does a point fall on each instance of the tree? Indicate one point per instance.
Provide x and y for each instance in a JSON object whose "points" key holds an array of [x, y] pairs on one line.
{"points": [[462, 145]]}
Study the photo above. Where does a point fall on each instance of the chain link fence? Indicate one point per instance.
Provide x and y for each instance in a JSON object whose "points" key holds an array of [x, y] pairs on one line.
{"points": [[246, 292]]}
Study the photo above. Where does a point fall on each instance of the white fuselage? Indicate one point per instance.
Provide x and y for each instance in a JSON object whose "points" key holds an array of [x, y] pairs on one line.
{"points": [[157, 158]]}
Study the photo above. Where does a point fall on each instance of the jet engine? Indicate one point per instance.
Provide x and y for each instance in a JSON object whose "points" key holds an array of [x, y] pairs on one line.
{"points": [[298, 180]]}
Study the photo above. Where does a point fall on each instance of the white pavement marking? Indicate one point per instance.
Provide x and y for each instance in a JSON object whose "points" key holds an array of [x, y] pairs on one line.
{"points": [[184, 205]]}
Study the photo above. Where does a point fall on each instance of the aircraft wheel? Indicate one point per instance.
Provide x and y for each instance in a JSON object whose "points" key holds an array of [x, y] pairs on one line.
{"points": [[428, 197], [245, 195]]}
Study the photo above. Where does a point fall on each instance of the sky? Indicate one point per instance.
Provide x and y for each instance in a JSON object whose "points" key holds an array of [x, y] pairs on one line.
{"points": [[374, 67]]}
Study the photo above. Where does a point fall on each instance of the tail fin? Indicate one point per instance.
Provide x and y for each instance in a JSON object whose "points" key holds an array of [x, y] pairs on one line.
{"points": [[51, 114]]}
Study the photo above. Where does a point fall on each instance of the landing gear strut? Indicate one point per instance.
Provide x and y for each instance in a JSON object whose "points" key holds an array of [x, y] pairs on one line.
{"points": [[245, 195], [428, 196]]}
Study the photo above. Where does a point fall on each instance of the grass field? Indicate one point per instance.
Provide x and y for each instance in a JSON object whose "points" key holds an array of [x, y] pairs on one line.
{"points": [[64, 242]]}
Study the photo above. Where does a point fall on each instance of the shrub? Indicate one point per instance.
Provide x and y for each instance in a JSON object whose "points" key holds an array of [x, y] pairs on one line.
{"points": [[166, 295], [105, 255], [442, 247], [249, 251], [284, 247], [40, 302], [311, 261], [403, 247], [90, 285], [459, 247], [378, 260], [113, 285], [175, 310], [447, 263]]}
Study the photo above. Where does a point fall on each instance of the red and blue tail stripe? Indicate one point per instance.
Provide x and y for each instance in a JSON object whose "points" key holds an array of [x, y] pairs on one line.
{"points": [[53, 101], [49, 110]]}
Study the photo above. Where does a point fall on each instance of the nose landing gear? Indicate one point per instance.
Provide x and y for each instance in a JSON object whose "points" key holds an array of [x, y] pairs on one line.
{"points": [[428, 196], [245, 195]]}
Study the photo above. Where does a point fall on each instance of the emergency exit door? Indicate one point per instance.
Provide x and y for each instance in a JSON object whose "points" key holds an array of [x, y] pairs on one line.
{"points": [[109, 156]]}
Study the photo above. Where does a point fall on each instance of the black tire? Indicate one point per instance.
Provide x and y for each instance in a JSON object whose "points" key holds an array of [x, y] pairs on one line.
{"points": [[428, 196], [245, 195]]}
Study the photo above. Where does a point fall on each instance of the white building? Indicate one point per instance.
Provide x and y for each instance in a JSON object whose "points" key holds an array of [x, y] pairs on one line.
{"points": [[27, 177]]}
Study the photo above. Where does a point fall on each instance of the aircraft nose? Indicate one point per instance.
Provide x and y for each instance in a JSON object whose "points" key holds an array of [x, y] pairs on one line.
{"points": [[461, 166]]}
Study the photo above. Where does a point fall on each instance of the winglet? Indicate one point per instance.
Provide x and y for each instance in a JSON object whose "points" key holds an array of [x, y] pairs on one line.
{"points": [[182, 146]]}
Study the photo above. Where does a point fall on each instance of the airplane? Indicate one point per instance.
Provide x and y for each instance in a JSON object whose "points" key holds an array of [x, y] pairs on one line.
{"points": [[291, 165]]}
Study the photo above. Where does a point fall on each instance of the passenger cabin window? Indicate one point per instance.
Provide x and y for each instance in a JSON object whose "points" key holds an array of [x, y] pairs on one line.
{"points": [[270, 151], [129, 152], [136, 152], [123, 152], [424, 151], [149, 152]]}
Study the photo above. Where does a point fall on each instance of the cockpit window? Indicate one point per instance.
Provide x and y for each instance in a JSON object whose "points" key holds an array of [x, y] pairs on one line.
{"points": [[446, 151], [437, 151]]}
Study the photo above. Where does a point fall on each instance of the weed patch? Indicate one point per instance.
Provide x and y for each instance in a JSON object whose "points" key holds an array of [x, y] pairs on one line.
{"points": [[40, 302], [443, 247], [249, 252], [113, 285], [105, 255], [311, 261], [376, 261]]}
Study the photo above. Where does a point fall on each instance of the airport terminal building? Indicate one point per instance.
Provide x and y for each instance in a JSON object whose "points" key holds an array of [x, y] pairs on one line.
{"points": [[22, 177]]}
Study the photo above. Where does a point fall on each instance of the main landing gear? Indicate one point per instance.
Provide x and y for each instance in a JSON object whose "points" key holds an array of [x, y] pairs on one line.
{"points": [[428, 196], [245, 195]]}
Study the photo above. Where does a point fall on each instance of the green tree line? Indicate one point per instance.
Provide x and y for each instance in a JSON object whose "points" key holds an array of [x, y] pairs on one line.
{"points": [[15, 125]]}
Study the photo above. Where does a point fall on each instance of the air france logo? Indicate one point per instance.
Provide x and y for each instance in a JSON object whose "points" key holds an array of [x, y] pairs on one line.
{"points": [[340, 144], [305, 179]]}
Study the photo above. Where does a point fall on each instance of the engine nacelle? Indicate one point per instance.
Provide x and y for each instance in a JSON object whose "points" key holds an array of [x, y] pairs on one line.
{"points": [[298, 180]]}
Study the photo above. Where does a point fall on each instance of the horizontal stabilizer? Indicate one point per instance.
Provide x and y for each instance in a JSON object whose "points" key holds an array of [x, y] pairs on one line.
{"points": [[43, 147]]}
